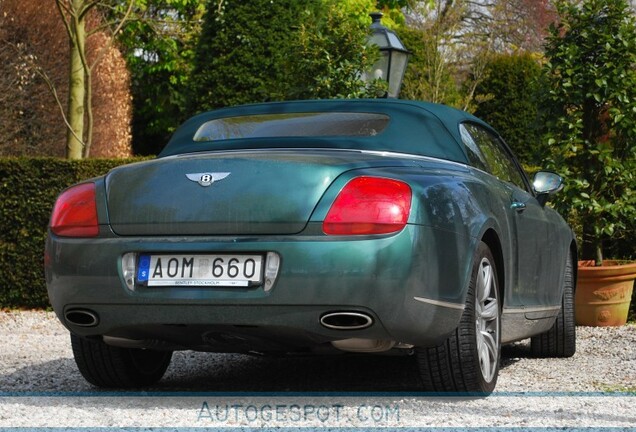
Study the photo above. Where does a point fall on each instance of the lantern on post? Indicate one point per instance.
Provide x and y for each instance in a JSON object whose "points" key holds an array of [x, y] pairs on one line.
{"points": [[393, 56]]}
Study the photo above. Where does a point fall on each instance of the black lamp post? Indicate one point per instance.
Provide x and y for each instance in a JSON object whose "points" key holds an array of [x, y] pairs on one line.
{"points": [[393, 56]]}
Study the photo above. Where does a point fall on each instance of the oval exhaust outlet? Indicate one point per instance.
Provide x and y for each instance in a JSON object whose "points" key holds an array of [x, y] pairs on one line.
{"points": [[346, 320], [82, 317]]}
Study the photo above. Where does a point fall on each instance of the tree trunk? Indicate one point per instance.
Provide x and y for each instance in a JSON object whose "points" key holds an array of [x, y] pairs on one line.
{"points": [[77, 89], [592, 247], [89, 113]]}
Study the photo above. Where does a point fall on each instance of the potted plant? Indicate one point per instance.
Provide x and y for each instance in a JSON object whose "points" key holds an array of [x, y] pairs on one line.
{"points": [[591, 78]]}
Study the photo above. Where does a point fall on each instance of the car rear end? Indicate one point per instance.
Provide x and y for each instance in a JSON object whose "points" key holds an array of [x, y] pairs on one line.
{"points": [[288, 252]]}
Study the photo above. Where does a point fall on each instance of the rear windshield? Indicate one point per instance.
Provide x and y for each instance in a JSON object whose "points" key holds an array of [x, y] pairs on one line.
{"points": [[318, 124]]}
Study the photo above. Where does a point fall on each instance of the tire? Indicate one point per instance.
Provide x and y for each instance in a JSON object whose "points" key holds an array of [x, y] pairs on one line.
{"points": [[114, 367], [468, 361], [560, 340]]}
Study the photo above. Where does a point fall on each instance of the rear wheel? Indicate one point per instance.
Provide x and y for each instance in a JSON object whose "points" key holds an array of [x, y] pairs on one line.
{"points": [[108, 366], [468, 361], [560, 340]]}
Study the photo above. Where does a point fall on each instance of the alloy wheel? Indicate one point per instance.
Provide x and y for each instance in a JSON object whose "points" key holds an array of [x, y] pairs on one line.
{"points": [[487, 320]]}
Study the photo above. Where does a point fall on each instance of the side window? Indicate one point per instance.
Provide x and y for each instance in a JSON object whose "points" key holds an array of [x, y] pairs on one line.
{"points": [[499, 163], [475, 157]]}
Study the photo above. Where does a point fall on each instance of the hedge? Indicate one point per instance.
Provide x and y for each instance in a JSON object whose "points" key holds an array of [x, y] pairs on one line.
{"points": [[28, 189], [508, 100]]}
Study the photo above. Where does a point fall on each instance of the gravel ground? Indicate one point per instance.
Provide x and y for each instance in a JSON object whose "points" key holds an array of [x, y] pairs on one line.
{"points": [[40, 386]]}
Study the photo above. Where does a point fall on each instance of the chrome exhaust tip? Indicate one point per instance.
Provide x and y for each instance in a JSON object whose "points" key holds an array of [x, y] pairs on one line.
{"points": [[346, 320], [82, 317]]}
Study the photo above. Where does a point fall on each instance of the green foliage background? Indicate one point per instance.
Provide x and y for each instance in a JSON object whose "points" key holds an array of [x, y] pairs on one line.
{"points": [[188, 56], [592, 120], [159, 46], [249, 52], [508, 99], [28, 190], [242, 52], [327, 55]]}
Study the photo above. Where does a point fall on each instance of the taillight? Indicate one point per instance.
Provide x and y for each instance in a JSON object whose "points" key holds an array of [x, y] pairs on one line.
{"points": [[369, 205], [75, 212]]}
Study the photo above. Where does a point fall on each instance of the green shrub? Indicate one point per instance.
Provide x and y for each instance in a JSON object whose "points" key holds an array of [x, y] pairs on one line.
{"points": [[591, 80], [260, 51], [242, 51], [507, 99], [28, 189]]}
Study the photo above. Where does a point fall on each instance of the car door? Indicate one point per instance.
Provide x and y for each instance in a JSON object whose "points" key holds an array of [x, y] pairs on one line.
{"points": [[532, 275]]}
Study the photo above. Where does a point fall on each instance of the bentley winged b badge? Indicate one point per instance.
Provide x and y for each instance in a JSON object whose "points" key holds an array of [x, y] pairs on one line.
{"points": [[206, 179]]}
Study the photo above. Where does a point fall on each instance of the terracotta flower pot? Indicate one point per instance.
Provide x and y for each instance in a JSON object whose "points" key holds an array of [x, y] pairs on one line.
{"points": [[603, 293]]}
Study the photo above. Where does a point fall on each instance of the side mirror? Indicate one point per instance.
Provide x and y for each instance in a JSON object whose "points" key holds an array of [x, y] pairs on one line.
{"points": [[546, 183]]}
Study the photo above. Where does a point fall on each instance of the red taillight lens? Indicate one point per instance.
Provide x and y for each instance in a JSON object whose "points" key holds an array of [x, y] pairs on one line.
{"points": [[75, 212], [369, 205]]}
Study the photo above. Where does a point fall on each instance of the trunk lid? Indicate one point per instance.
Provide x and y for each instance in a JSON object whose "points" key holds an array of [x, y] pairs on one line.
{"points": [[232, 193]]}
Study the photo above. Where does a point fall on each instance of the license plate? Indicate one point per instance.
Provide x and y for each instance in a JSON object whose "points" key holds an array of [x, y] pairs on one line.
{"points": [[200, 270]]}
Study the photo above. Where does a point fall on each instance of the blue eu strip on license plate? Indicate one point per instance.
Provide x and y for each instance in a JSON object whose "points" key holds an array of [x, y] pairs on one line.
{"points": [[144, 268]]}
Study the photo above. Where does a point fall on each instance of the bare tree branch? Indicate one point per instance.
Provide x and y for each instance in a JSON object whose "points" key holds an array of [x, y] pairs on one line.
{"points": [[88, 76], [67, 25], [51, 86], [42, 74], [86, 8]]}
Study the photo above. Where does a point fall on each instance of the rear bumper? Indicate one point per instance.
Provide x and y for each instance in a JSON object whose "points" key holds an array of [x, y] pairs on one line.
{"points": [[411, 284], [248, 328]]}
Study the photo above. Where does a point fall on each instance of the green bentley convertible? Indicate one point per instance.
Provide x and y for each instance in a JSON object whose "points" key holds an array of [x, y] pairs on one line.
{"points": [[316, 227]]}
